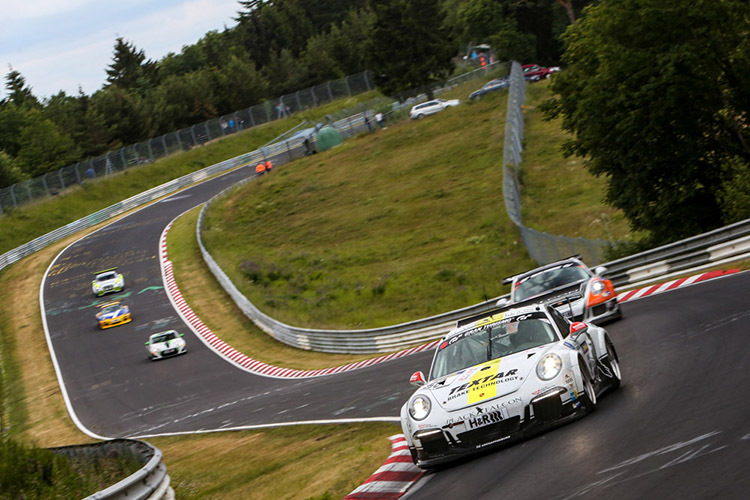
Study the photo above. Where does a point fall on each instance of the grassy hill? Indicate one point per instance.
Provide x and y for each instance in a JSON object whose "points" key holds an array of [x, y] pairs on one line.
{"points": [[404, 224]]}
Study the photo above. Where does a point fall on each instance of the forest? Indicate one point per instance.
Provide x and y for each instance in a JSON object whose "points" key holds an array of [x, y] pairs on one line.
{"points": [[276, 47]]}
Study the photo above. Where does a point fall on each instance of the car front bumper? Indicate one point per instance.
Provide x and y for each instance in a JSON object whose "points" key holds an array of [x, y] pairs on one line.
{"points": [[109, 323], [436, 445]]}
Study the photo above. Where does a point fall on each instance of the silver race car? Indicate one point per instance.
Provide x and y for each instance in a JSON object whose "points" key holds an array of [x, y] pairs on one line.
{"points": [[568, 285], [164, 344], [107, 281], [503, 376]]}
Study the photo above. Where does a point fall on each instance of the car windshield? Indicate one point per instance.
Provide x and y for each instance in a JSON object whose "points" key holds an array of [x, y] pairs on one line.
{"points": [[163, 337], [105, 277], [485, 343], [549, 279], [110, 308]]}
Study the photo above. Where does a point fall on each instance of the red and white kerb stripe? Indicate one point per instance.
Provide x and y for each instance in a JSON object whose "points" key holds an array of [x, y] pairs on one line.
{"points": [[391, 480], [241, 360], [671, 285]]}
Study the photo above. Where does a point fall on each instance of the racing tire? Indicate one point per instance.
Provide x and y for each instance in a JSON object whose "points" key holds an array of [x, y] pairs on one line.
{"points": [[588, 398], [612, 365]]}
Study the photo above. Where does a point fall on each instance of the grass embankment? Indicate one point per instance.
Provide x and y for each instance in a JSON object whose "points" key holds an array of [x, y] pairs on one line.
{"points": [[558, 195], [35, 219], [403, 224], [227, 465]]}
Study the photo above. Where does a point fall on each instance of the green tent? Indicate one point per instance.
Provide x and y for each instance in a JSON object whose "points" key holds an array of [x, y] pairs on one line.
{"points": [[328, 137]]}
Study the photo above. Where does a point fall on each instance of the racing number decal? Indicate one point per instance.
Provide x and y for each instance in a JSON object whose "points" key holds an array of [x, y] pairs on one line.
{"points": [[483, 384]]}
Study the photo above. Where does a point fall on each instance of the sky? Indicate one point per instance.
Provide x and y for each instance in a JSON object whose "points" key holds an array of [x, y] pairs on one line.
{"points": [[66, 44]]}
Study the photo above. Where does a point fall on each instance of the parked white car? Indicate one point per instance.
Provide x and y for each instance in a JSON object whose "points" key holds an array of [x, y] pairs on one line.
{"points": [[431, 107], [505, 375]]}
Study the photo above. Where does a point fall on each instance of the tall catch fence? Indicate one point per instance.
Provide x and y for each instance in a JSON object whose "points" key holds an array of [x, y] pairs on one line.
{"points": [[542, 247], [148, 151]]}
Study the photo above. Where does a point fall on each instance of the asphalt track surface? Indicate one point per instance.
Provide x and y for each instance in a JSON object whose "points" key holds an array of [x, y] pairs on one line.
{"points": [[679, 427]]}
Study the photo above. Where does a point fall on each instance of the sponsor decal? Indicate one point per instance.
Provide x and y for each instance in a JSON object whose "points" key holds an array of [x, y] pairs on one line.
{"points": [[482, 445], [483, 382], [543, 389], [569, 345], [585, 347], [569, 380], [486, 418]]}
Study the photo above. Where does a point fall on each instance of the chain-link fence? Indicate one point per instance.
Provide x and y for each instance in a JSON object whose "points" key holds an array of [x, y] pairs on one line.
{"points": [[542, 247], [55, 182]]}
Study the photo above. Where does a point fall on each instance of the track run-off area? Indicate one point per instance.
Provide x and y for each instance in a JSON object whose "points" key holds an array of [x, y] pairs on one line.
{"points": [[677, 428]]}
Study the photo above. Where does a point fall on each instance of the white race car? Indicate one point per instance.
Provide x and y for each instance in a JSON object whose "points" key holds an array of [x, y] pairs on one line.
{"points": [[164, 344], [569, 286], [503, 376], [107, 281]]}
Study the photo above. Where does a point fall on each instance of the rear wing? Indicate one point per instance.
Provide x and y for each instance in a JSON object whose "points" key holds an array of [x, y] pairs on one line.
{"points": [[105, 270]]}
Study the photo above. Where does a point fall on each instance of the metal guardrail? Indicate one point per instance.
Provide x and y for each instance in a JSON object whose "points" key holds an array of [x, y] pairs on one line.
{"points": [[288, 149], [697, 250], [542, 247], [181, 140], [149, 482]]}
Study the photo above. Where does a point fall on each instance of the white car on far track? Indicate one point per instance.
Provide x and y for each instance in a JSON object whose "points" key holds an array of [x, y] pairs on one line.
{"points": [[164, 344]]}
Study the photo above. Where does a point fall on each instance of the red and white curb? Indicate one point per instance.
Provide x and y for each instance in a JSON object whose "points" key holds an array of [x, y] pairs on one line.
{"points": [[259, 368], [239, 359], [671, 285], [394, 478]]}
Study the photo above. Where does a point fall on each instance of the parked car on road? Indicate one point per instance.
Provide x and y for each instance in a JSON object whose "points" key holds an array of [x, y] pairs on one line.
{"points": [[534, 72], [431, 107], [491, 86]]}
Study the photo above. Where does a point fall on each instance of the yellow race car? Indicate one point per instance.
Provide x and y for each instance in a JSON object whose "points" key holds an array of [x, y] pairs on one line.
{"points": [[113, 314]]}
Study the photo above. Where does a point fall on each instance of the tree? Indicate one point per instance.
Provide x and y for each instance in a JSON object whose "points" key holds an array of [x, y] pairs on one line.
{"points": [[44, 147], [130, 70], [655, 93], [19, 93], [409, 47], [10, 173]]}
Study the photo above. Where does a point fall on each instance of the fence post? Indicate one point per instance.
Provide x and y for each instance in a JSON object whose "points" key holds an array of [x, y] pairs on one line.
{"points": [[250, 115], [62, 181], [78, 174], [28, 189], [367, 81], [348, 90], [164, 144], [150, 153], [123, 159], [13, 196], [330, 94], [44, 181]]}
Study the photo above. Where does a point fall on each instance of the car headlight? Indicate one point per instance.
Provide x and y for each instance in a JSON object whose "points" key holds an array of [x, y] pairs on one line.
{"points": [[420, 407], [153, 350], [597, 287], [549, 366]]}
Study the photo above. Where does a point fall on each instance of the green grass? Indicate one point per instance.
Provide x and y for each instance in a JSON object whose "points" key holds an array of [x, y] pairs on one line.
{"points": [[290, 463], [558, 195], [388, 228], [27, 222]]}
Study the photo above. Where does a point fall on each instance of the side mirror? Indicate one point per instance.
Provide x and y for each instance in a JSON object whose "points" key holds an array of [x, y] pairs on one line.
{"points": [[502, 302], [145, 343], [417, 379], [182, 335], [600, 270], [578, 328]]}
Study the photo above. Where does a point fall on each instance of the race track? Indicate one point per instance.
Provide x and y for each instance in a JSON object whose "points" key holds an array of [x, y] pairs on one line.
{"points": [[678, 427]]}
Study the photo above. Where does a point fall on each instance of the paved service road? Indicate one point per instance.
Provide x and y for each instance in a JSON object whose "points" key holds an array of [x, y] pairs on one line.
{"points": [[679, 427]]}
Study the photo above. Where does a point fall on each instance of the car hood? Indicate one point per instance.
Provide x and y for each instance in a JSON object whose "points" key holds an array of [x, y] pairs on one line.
{"points": [[487, 381], [167, 345], [114, 314]]}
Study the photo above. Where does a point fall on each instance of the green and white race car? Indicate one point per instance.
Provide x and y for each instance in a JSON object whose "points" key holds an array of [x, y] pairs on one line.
{"points": [[163, 344], [107, 281]]}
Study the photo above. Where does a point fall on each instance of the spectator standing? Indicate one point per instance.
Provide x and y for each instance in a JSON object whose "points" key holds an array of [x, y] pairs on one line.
{"points": [[260, 168], [379, 119]]}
